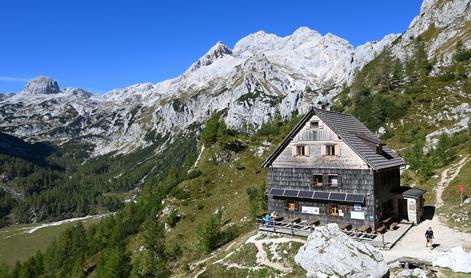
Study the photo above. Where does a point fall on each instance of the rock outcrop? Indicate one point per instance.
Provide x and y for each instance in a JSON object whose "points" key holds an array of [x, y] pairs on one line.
{"points": [[329, 252], [42, 85], [456, 259]]}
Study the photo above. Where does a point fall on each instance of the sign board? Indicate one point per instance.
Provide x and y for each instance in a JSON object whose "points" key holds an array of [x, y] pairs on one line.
{"points": [[357, 207], [341, 213], [461, 188], [310, 210], [357, 215]]}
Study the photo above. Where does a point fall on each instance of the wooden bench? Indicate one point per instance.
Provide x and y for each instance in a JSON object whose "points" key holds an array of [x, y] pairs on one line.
{"points": [[393, 225], [293, 220], [346, 227], [313, 222], [278, 218], [381, 229], [364, 229]]}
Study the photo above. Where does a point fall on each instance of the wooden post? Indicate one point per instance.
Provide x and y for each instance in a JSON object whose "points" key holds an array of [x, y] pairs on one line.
{"points": [[382, 239]]}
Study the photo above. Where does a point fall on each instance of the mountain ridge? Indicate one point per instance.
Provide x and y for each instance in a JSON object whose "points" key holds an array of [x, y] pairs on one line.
{"points": [[222, 76], [262, 76]]}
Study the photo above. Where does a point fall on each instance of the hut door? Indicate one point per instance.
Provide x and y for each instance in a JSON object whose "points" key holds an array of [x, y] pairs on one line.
{"points": [[402, 208]]}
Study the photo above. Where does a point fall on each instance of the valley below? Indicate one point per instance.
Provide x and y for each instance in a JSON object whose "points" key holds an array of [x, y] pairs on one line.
{"points": [[166, 179]]}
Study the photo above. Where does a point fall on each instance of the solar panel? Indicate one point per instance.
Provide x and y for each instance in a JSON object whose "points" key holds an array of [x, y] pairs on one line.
{"points": [[334, 196], [356, 198], [305, 194], [321, 195], [277, 192], [291, 193]]}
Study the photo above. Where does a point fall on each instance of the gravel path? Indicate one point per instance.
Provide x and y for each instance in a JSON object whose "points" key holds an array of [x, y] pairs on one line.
{"points": [[445, 179], [413, 243]]}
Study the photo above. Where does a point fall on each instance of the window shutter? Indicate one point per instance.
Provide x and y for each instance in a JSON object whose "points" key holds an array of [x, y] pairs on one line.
{"points": [[339, 180], [325, 180], [337, 150], [308, 124], [323, 147], [321, 124], [293, 150], [306, 150]]}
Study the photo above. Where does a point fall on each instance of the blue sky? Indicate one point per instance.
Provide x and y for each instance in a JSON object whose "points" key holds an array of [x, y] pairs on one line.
{"points": [[101, 45]]}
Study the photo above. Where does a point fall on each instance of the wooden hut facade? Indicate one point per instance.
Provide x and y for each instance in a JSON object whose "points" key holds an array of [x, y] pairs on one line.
{"points": [[334, 169]]}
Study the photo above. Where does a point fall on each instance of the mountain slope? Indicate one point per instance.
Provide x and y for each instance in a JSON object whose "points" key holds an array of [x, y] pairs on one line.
{"points": [[263, 76]]}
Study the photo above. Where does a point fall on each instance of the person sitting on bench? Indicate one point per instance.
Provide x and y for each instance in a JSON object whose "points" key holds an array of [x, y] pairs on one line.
{"points": [[267, 220]]}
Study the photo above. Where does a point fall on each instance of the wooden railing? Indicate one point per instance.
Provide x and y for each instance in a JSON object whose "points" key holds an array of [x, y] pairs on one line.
{"points": [[303, 229]]}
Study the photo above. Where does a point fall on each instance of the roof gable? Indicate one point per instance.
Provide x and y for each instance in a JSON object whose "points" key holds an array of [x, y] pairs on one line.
{"points": [[355, 134]]}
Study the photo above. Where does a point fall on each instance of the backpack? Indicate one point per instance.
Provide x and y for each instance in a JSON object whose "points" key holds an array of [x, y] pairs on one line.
{"points": [[429, 234]]}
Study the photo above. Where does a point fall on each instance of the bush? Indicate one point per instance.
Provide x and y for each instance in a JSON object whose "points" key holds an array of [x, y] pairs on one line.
{"points": [[214, 131], [211, 234], [173, 218], [208, 234], [257, 200]]}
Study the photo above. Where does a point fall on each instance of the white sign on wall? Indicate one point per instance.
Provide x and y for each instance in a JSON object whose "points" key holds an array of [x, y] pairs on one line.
{"points": [[357, 215], [310, 210]]}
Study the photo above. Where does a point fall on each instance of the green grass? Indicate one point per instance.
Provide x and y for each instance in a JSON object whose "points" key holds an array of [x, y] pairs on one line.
{"points": [[456, 215], [221, 186], [451, 195], [17, 245], [246, 255]]}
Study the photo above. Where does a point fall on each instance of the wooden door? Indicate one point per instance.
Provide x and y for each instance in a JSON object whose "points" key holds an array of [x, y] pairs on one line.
{"points": [[402, 209]]}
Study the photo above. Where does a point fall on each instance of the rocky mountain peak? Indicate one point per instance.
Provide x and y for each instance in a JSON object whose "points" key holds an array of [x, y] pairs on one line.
{"points": [[305, 34], [257, 42], [440, 24], [218, 51], [42, 85]]}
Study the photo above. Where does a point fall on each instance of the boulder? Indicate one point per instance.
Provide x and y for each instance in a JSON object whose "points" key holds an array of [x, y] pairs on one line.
{"points": [[329, 252], [456, 259]]}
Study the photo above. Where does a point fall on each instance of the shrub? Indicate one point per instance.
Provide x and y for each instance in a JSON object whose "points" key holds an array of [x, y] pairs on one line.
{"points": [[212, 235]]}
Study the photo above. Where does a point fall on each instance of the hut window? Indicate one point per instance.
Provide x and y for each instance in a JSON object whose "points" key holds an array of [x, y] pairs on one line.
{"points": [[333, 180], [300, 150], [334, 210], [314, 124], [317, 181], [331, 150], [291, 205]]}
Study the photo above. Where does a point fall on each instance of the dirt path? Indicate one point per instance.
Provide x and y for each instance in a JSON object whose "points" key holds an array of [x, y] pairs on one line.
{"points": [[202, 263], [413, 243], [262, 257], [445, 180]]}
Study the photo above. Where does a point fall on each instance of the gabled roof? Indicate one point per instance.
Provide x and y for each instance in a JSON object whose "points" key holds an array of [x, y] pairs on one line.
{"points": [[355, 134]]}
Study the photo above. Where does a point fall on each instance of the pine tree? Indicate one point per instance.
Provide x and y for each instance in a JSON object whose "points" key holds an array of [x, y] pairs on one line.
{"points": [[114, 263]]}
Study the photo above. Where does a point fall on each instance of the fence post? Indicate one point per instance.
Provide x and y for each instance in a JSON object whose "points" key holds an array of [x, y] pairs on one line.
{"points": [[382, 239]]}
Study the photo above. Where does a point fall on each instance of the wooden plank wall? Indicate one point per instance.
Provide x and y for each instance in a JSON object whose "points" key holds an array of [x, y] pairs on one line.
{"points": [[315, 139], [359, 181]]}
